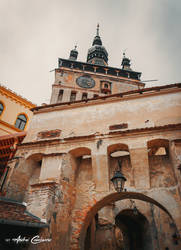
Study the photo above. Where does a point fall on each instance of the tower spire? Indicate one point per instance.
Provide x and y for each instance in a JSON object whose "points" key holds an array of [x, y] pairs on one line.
{"points": [[97, 54], [97, 30]]}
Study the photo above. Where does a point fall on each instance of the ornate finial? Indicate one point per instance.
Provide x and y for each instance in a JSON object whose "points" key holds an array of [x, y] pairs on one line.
{"points": [[97, 29], [124, 52]]}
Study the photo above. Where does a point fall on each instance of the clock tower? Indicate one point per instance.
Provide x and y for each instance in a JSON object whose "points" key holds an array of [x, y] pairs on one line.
{"points": [[75, 80]]}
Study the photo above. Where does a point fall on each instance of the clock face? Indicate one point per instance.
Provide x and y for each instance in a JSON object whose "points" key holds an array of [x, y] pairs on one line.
{"points": [[85, 81]]}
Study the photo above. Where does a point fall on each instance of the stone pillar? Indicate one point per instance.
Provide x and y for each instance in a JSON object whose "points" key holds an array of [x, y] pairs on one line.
{"points": [[55, 93], [79, 96], [93, 234], [100, 167], [90, 95], [140, 165], [66, 95], [175, 154], [40, 199], [105, 233]]}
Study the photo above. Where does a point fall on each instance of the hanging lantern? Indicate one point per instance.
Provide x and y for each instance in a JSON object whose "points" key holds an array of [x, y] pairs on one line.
{"points": [[118, 179], [134, 208]]}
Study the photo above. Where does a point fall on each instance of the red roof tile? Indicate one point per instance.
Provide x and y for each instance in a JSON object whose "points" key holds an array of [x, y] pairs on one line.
{"points": [[15, 213]]}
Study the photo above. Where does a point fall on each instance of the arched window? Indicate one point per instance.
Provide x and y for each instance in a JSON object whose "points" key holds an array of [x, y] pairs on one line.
{"points": [[21, 122], [1, 108], [60, 95], [84, 96]]}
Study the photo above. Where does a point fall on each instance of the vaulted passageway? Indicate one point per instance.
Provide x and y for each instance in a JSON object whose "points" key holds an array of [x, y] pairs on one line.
{"points": [[133, 233], [115, 224], [129, 231]]}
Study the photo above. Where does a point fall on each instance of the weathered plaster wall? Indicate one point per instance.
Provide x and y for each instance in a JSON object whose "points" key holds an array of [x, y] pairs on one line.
{"points": [[137, 113], [73, 183], [161, 171]]}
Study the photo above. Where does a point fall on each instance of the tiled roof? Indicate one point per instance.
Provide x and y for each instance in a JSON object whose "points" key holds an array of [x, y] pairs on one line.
{"points": [[8, 145], [14, 213]]}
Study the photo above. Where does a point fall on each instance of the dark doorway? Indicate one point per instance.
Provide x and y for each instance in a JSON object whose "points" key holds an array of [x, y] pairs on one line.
{"points": [[129, 232], [134, 229]]}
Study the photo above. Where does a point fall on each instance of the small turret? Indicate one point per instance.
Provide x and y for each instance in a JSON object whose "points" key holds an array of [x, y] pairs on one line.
{"points": [[126, 63], [73, 54]]}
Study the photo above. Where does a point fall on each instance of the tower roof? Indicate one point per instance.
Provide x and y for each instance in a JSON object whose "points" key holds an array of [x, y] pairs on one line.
{"points": [[97, 54], [97, 39]]}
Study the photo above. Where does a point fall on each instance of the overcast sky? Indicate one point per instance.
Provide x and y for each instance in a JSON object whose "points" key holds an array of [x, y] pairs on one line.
{"points": [[34, 33]]}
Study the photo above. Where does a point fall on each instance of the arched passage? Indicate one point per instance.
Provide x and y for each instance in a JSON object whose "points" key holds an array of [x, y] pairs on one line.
{"points": [[133, 227], [108, 200]]}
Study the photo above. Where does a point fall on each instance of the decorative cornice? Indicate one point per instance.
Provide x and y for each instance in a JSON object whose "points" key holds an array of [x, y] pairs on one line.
{"points": [[15, 97], [139, 131], [66, 63], [10, 126], [101, 75]]}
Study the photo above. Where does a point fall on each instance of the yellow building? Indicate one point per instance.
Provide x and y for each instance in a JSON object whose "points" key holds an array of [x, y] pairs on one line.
{"points": [[15, 116], [15, 112]]}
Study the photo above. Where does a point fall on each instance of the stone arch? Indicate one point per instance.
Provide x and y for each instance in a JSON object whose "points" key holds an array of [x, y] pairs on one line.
{"points": [[155, 144], [33, 167], [80, 151], [96, 206], [160, 165], [120, 151], [117, 147]]}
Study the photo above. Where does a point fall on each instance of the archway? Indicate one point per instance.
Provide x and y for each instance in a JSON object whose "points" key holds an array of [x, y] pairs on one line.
{"points": [[133, 222]]}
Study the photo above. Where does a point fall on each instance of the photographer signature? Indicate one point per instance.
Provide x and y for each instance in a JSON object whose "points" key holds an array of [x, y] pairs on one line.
{"points": [[34, 240]]}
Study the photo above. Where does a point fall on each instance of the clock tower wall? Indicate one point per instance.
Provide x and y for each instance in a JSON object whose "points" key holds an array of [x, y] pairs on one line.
{"points": [[73, 84]]}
